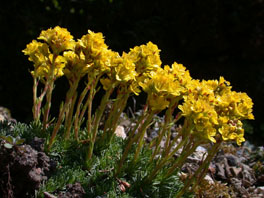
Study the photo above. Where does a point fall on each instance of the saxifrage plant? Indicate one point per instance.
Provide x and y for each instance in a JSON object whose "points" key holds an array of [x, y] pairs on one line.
{"points": [[211, 112]]}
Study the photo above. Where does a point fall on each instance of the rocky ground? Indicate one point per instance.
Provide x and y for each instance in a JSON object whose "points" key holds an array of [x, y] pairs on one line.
{"points": [[234, 172]]}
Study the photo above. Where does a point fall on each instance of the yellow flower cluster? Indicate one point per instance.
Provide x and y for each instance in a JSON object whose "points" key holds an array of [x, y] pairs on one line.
{"points": [[95, 51], [45, 56], [43, 60], [165, 85], [60, 54], [134, 67], [212, 108], [146, 57], [59, 39], [122, 71], [75, 66]]}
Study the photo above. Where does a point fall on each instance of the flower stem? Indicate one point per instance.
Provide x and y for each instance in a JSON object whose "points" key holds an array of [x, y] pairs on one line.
{"points": [[166, 158], [164, 129], [131, 140], [98, 115], [113, 117], [142, 132], [50, 84], [193, 179], [48, 105], [90, 105], [35, 100], [77, 112], [182, 157], [69, 118], [69, 96], [206, 164]]}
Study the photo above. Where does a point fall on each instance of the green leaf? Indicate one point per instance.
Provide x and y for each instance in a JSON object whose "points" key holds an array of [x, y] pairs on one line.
{"points": [[8, 139], [20, 141], [3, 137], [8, 146]]}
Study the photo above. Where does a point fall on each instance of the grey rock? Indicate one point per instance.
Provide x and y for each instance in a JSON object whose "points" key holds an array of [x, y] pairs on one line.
{"points": [[227, 168], [220, 172], [209, 179], [246, 167], [173, 135], [259, 190], [248, 178], [162, 143], [236, 171], [120, 132], [199, 154], [238, 187], [26, 157], [44, 161], [153, 134], [35, 175], [260, 178], [232, 159], [201, 149]]}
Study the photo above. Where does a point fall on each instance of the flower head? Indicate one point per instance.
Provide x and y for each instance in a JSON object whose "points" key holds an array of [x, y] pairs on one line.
{"points": [[44, 65], [180, 73], [92, 45], [48, 67], [59, 39], [233, 130], [38, 52], [121, 72], [124, 69], [235, 105], [161, 86], [146, 58], [75, 65], [201, 113]]}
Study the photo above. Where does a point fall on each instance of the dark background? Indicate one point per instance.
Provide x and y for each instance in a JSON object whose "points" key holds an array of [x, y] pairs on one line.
{"points": [[211, 38]]}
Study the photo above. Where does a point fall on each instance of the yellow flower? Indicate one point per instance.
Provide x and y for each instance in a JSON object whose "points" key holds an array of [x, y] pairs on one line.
{"points": [[134, 88], [38, 52], [244, 106], [59, 64], [157, 90], [125, 69], [146, 58], [222, 119], [200, 90], [121, 71], [96, 52], [46, 69], [92, 45], [36, 47], [40, 55], [233, 130], [157, 102], [59, 39], [202, 115], [162, 82], [220, 87], [107, 61], [180, 73], [235, 105], [75, 66]]}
